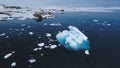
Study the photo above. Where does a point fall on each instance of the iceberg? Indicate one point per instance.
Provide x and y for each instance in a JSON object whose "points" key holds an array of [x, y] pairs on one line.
{"points": [[73, 39]]}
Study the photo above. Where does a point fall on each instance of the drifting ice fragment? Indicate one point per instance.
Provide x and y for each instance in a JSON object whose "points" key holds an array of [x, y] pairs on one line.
{"points": [[48, 35], [73, 39], [8, 55], [13, 64], [53, 46], [32, 60], [95, 20], [3, 34], [87, 52], [31, 33], [41, 44]]}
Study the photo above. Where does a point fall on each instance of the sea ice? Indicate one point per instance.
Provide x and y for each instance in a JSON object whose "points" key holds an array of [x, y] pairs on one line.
{"points": [[13, 64], [8, 55], [55, 24], [32, 60], [95, 20], [73, 39], [48, 35], [53, 46], [31, 33], [36, 49], [41, 44], [3, 34], [41, 54], [87, 52]]}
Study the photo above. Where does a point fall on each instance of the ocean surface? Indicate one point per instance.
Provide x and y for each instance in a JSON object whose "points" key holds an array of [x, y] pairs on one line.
{"points": [[23, 36]]}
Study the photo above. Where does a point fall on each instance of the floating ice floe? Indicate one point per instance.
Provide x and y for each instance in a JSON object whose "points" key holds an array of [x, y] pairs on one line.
{"points": [[95, 20], [13, 64], [28, 26], [8, 55], [31, 33], [41, 44], [108, 24], [3, 34], [45, 24], [32, 60], [87, 52], [105, 23], [36, 49], [53, 46], [55, 24], [41, 54], [48, 35], [73, 39], [23, 25]]}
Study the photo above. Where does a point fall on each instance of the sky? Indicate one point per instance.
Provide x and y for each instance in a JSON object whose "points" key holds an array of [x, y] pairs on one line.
{"points": [[62, 3]]}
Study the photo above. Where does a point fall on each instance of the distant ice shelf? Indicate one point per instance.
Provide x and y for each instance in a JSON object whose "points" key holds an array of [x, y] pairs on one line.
{"points": [[73, 39]]}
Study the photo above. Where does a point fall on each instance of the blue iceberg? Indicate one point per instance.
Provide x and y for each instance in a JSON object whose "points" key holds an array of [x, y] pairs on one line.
{"points": [[73, 39]]}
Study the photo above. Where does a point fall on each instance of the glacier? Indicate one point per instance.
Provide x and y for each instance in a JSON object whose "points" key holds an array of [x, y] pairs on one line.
{"points": [[73, 39]]}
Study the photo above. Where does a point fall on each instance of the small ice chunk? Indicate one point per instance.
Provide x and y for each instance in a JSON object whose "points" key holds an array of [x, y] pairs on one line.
{"points": [[95, 20], [23, 25], [16, 29], [47, 46], [41, 44], [55, 24], [53, 46], [22, 29], [10, 29], [13, 64], [32, 60], [8, 55], [87, 52], [108, 24], [31, 33], [28, 26], [41, 54], [35, 49], [7, 37], [3, 34], [45, 24], [48, 35]]}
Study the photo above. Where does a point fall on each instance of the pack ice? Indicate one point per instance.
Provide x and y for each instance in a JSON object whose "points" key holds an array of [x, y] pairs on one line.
{"points": [[73, 39]]}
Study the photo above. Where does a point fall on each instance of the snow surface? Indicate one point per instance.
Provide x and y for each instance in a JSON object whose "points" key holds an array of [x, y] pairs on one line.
{"points": [[73, 39]]}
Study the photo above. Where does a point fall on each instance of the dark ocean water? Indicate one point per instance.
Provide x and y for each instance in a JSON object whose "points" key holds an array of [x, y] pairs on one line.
{"points": [[102, 29]]}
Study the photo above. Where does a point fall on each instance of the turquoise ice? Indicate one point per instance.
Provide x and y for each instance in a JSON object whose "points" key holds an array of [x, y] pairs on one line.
{"points": [[73, 39]]}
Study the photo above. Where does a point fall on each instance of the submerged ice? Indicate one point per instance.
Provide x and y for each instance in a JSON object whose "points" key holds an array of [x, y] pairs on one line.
{"points": [[73, 39]]}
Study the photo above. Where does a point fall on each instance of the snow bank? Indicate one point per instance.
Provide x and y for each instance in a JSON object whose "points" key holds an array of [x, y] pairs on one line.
{"points": [[73, 39]]}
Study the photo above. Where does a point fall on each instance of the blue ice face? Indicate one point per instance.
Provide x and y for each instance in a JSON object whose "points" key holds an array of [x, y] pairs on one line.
{"points": [[73, 39]]}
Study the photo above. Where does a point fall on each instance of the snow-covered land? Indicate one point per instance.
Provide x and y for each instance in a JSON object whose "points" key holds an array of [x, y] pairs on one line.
{"points": [[22, 13]]}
